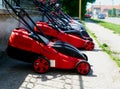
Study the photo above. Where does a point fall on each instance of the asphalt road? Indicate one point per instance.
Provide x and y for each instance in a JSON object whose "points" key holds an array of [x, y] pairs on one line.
{"points": [[112, 20]]}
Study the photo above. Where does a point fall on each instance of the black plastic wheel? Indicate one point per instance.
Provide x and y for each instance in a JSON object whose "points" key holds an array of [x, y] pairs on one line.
{"points": [[83, 67], [41, 65]]}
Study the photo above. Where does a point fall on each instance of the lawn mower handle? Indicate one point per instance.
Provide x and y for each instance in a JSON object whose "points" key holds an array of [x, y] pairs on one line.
{"points": [[25, 13]]}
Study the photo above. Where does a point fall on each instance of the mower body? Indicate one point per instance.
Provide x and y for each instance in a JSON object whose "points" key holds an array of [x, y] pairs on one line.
{"points": [[26, 47], [65, 36]]}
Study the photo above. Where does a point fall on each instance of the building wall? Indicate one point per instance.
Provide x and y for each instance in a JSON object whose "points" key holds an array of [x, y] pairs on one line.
{"points": [[96, 9], [8, 23]]}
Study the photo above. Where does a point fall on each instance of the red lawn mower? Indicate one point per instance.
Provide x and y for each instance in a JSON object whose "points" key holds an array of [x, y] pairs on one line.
{"points": [[29, 46], [58, 30], [69, 21]]}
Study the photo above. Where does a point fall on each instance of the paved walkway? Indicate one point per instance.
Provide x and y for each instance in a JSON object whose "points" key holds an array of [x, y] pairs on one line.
{"points": [[104, 75], [105, 36]]}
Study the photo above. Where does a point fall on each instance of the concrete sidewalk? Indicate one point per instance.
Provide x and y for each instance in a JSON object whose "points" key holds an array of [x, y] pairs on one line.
{"points": [[105, 36]]}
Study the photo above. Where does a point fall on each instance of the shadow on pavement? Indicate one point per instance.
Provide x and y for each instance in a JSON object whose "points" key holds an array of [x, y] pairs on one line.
{"points": [[12, 73]]}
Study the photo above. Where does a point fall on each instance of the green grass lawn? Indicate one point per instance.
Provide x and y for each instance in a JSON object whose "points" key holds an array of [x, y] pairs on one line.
{"points": [[114, 27]]}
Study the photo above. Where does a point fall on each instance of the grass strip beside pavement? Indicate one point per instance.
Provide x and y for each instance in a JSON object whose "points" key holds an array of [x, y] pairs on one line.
{"points": [[105, 48], [114, 27]]}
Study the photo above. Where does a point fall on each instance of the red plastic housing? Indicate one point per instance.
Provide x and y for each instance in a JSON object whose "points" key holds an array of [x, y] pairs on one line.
{"points": [[20, 39], [69, 38]]}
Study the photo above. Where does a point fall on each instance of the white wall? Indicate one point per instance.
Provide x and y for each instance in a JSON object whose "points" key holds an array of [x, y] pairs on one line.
{"points": [[6, 28]]}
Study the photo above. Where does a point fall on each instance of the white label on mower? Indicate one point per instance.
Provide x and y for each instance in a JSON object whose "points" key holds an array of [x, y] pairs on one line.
{"points": [[52, 63]]}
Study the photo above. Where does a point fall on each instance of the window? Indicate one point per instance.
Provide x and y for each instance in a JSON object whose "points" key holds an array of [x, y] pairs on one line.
{"points": [[0, 4]]}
